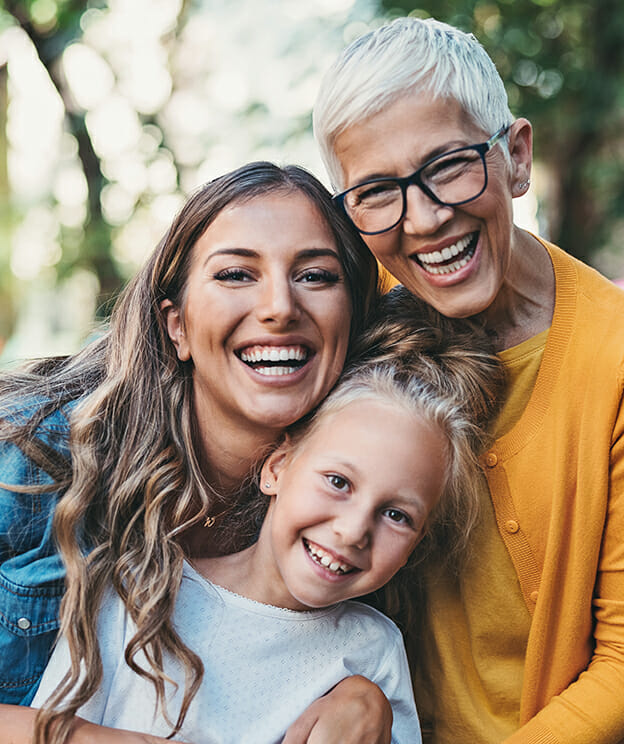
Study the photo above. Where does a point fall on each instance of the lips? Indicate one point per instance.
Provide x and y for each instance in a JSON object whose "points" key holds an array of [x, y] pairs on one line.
{"points": [[327, 559], [450, 258], [274, 361]]}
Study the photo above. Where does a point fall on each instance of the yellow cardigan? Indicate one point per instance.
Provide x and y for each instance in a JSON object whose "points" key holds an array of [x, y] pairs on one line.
{"points": [[559, 475]]}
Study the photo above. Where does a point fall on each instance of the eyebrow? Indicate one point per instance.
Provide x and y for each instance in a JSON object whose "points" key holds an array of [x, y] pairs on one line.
{"points": [[440, 150], [251, 253]]}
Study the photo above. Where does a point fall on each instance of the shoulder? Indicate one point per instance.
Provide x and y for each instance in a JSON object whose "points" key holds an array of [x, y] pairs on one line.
{"points": [[48, 418], [589, 284], [367, 619], [36, 435], [589, 313]]}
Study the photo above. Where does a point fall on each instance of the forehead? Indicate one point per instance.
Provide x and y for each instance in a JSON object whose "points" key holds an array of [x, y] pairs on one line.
{"points": [[364, 422], [267, 223], [398, 139]]}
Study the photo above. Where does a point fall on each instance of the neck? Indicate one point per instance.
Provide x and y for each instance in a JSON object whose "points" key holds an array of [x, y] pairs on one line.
{"points": [[252, 573], [227, 456], [230, 451], [525, 302]]}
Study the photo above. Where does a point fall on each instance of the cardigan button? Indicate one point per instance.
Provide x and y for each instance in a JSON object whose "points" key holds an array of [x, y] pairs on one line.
{"points": [[24, 623], [491, 459], [533, 596], [512, 526]]}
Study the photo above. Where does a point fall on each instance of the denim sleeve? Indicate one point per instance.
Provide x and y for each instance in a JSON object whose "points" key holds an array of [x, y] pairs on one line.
{"points": [[31, 571]]}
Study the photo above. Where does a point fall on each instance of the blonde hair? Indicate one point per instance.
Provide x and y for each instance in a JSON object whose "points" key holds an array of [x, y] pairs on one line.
{"points": [[445, 371], [135, 480]]}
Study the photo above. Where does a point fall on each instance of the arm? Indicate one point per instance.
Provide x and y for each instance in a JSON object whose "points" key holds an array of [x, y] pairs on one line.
{"points": [[354, 712], [17, 725], [592, 708], [376, 708]]}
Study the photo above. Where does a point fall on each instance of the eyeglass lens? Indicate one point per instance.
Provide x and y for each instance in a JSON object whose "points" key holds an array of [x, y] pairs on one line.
{"points": [[452, 178]]}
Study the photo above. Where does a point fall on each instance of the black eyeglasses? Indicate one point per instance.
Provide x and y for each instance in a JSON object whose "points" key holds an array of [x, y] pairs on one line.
{"points": [[451, 179]]}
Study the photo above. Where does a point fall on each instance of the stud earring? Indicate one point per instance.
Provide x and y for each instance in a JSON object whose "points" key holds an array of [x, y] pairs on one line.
{"points": [[525, 185]]}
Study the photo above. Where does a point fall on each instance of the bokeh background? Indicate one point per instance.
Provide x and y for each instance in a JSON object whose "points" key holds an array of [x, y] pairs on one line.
{"points": [[111, 113]]}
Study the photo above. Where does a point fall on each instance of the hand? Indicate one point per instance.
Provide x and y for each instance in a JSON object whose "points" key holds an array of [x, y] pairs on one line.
{"points": [[355, 712]]}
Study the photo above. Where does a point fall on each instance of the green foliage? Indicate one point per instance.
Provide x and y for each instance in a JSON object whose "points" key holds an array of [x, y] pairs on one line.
{"points": [[563, 65]]}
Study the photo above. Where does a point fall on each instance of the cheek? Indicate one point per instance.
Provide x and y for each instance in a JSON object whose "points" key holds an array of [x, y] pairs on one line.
{"points": [[338, 315]]}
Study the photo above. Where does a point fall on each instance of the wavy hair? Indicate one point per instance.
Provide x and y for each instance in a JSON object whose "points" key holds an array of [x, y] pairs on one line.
{"points": [[135, 481]]}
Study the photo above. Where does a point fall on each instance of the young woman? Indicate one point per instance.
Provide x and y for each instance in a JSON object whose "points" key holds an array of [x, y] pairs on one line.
{"points": [[390, 454], [238, 325]]}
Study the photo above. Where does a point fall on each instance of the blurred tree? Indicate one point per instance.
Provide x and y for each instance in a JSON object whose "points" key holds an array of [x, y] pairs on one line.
{"points": [[51, 29], [117, 109], [563, 65]]}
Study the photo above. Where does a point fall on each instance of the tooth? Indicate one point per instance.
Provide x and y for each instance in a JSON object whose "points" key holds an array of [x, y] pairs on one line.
{"points": [[446, 253], [334, 566], [284, 355], [326, 560]]}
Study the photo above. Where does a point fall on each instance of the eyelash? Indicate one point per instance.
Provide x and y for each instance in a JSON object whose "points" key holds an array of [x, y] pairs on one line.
{"points": [[319, 275], [404, 518], [311, 276], [231, 275]]}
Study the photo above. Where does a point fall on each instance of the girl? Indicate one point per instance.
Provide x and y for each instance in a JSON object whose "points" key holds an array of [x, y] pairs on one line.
{"points": [[351, 492], [149, 431]]}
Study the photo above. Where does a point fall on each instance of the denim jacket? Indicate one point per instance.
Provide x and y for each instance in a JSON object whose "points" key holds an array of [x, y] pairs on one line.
{"points": [[31, 571]]}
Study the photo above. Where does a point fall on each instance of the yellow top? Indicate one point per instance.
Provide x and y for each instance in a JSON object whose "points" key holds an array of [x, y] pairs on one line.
{"points": [[471, 664], [559, 475]]}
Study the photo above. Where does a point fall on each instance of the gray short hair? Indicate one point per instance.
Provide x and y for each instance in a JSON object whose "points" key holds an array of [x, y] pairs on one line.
{"points": [[406, 56]]}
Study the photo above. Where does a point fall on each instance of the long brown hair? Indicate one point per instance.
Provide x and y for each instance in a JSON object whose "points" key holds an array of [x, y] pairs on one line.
{"points": [[135, 480]]}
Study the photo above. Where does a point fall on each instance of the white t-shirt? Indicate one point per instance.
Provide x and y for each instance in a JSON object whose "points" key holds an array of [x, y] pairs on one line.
{"points": [[263, 665]]}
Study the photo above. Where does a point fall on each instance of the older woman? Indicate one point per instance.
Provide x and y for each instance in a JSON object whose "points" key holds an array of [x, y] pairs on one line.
{"points": [[238, 325], [526, 642]]}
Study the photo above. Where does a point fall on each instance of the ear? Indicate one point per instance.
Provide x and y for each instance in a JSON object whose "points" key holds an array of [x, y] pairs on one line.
{"points": [[521, 151], [175, 329], [271, 471]]}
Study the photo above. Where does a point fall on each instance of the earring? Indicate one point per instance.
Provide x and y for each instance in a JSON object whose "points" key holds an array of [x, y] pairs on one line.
{"points": [[525, 185]]}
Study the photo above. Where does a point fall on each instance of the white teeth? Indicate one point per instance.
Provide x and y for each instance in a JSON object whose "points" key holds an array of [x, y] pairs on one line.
{"points": [[327, 560], [275, 371], [448, 268], [436, 257], [255, 354]]}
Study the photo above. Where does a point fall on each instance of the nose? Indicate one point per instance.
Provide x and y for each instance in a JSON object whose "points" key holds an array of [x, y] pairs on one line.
{"points": [[422, 214], [353, 527], [278, 303]]}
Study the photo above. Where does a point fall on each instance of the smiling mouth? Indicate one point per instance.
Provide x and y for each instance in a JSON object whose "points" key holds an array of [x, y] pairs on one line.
{"points": [[274, 361], [325, 559], [451, 258]]}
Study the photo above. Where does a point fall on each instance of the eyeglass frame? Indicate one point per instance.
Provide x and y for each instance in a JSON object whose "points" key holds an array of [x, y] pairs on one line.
{"points": [[415, 179]]}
